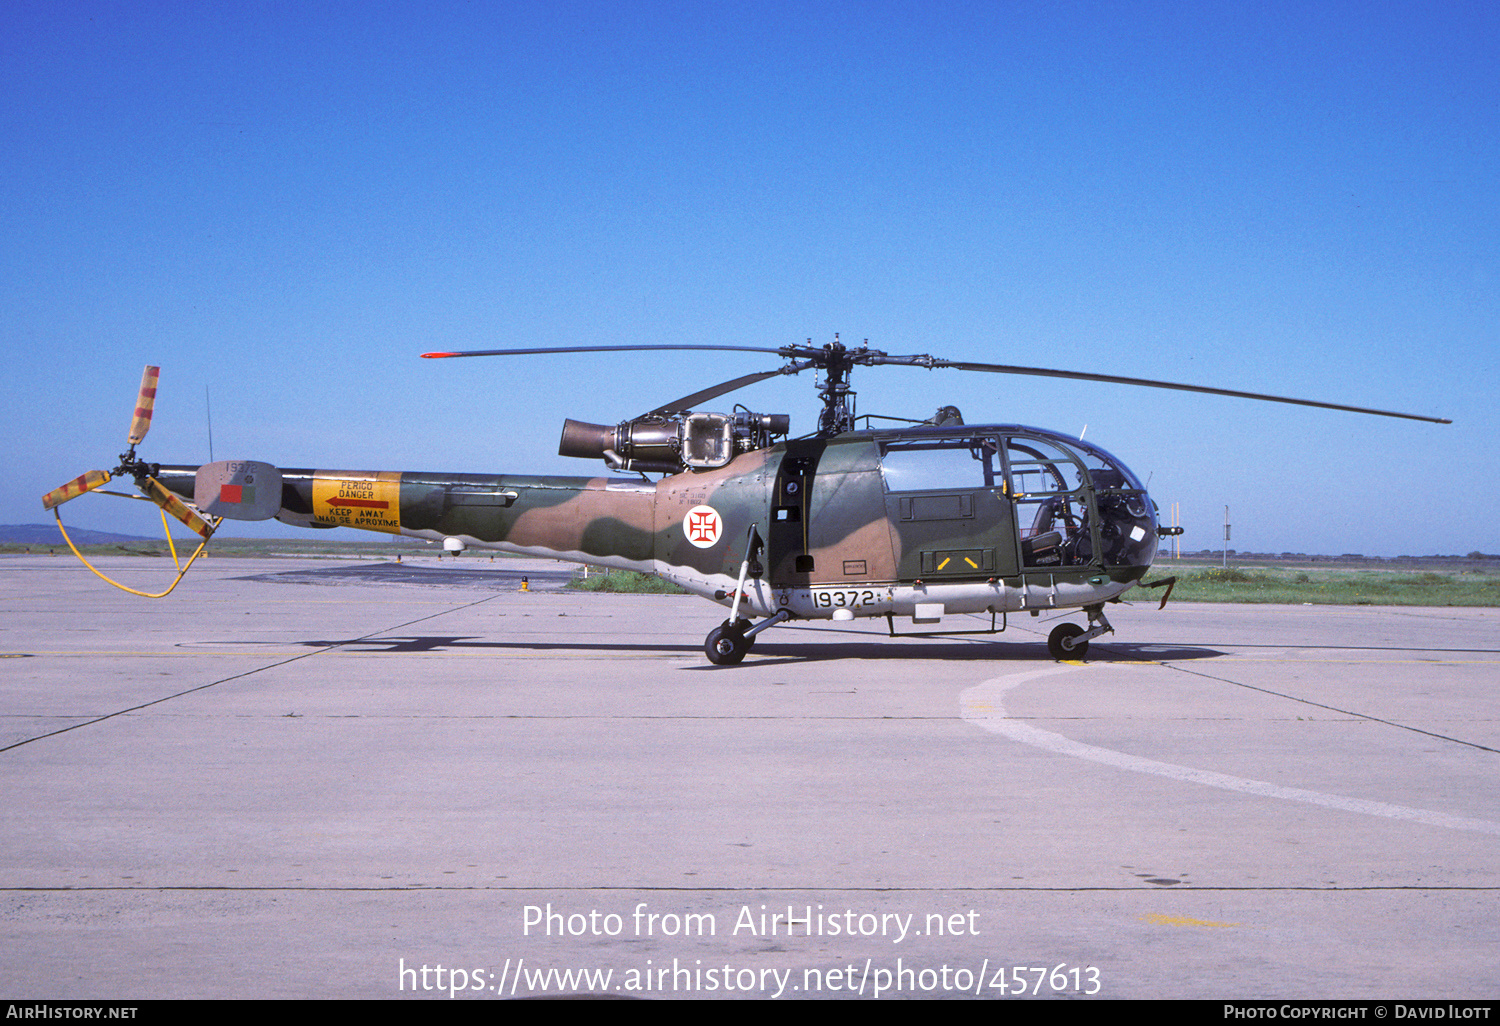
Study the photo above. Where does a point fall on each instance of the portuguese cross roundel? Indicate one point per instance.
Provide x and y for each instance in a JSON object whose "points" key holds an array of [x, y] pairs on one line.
{"points": [[703, 525]]}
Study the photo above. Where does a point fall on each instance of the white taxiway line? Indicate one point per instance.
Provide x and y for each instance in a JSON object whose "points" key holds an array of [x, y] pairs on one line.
{"points": [[984, 706]]}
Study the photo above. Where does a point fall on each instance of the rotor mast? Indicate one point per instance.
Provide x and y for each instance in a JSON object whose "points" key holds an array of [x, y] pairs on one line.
{"points": [[838, 398]]}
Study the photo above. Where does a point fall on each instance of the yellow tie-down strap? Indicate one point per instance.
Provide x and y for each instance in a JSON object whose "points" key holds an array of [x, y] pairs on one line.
{"points": [[369, 500]]}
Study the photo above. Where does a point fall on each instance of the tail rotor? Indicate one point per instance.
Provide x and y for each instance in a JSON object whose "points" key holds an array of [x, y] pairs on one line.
{"points": [[144, 475]]}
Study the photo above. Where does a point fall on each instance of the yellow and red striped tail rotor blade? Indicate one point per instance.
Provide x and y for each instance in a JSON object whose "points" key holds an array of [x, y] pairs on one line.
{"points": [[74, 488], [157, 493], [143, 406]]}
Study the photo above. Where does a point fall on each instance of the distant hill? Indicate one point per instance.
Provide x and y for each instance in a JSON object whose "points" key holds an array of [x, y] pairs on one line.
{"points": [[48, 534]]}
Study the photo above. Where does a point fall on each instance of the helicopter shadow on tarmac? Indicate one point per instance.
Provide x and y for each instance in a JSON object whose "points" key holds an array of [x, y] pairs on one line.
{"points": [[779, 653], [960, 652]]}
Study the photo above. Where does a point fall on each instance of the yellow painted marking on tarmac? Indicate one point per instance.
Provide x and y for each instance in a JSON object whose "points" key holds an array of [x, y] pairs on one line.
{"points": [[945, 562], [1158, 919], [968, 561]]}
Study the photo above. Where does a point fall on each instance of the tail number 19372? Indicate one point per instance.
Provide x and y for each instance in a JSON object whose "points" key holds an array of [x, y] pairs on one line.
{"points": [[856, 598]]}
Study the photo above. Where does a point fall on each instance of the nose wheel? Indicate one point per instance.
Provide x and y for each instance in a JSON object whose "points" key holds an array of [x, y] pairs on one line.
{"points": [[1064, 642], [1070, 641]]}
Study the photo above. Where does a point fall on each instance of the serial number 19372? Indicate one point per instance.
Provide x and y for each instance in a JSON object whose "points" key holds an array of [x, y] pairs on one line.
{"points": [[847, 598]]}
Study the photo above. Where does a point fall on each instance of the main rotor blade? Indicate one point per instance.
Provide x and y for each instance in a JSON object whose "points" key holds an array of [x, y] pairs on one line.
{"points": [[594, 349], [144, 404], [996, 368], [74, 488], [687, 402]]}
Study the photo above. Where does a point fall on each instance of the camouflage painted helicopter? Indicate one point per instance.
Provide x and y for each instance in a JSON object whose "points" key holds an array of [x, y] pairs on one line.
{"points": [[928, 520]]}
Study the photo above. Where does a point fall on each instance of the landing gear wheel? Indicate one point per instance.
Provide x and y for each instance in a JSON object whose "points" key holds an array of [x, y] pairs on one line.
{"points": [[726, 645], [1061, 644]]}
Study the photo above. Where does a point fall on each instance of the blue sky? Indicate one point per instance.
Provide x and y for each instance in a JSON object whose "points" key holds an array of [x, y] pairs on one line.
{"points": [[284, 204]]}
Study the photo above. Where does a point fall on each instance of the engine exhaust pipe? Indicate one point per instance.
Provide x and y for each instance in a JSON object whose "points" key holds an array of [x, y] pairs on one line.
{"points": [[586, 441]]}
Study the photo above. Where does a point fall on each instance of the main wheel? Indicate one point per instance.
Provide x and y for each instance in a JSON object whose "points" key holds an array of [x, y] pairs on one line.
{"points": [[726, 645], [1061, 644]]}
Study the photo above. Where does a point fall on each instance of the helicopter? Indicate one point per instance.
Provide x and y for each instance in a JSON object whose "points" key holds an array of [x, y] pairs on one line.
{"points": [[925, 520]]}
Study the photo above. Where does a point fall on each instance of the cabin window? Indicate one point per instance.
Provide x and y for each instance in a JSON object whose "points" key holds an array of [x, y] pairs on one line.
{"points": [[933, 464]]}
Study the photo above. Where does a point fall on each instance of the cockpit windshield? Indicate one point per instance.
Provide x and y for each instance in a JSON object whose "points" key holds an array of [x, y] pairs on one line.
{"points": [[1057, 525]]}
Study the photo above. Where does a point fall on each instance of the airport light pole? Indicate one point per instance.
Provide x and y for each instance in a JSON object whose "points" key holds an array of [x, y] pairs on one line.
{"points": [[1226, 537]]}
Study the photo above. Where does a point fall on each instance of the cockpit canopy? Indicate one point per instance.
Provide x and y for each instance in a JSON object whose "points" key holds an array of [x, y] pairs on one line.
{"points": [[1075, 504]]}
